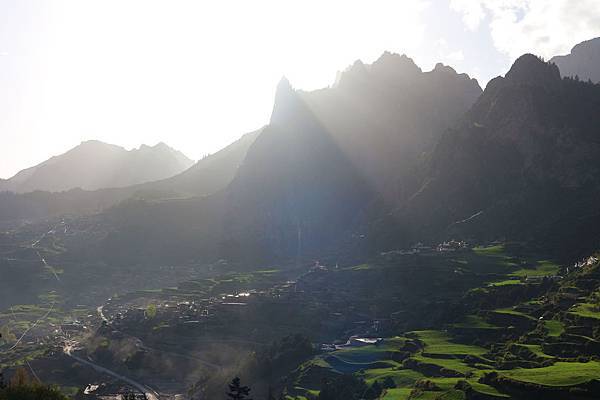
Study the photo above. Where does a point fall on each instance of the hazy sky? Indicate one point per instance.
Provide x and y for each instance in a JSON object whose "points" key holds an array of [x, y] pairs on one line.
{"points": [[199, 74]]}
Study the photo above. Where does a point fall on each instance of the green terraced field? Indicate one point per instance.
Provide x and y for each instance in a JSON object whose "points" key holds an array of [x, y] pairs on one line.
{"points": [[437, 342], [537, 350], [555, 328], [587, 310], [397, 394], [402, 377], [490, 250], [543, 268], [510, 311], [559, 374], [506, 282], [474, 321]]}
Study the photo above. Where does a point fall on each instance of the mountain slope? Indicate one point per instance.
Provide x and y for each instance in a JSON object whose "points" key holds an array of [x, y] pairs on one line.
{"points": [[383, 116], [315, 176], [583, 61], [207, 176], [94, 165], [522, 164]]}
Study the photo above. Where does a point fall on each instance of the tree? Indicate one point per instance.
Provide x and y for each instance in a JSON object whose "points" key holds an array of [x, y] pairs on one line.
{"points": [[20, 378], [150, 311], [6, 336], [389, 383], [130, 396], [237, 391], [374, 391], [343, 387], [22, 388], [198, 388]]}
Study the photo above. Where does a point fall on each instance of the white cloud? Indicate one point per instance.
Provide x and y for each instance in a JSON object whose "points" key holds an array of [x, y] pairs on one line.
{"points": [[446, 54], [543, 27], [455, 56]]}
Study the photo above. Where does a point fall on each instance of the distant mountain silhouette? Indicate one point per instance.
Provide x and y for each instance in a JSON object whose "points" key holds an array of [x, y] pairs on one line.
{"points": [[207, 176], [95, 165], [583, 61]]}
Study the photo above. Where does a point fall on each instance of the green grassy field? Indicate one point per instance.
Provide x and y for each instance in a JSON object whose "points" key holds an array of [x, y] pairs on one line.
{"points": [[495, 250], [474, 321], [587, 310], [559, 374], [397, 394], [542, 268], [437, 342], [555, 328], [506, 282], [441, 353], [511, 311]]}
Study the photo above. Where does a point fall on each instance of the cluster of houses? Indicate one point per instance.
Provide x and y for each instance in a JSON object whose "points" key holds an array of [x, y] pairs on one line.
{"points": [[353, 342], [420, 248], [452, 245], [586, 262]]}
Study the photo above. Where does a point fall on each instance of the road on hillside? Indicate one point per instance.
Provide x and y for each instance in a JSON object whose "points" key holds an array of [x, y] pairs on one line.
{"points": [[148, 392]]}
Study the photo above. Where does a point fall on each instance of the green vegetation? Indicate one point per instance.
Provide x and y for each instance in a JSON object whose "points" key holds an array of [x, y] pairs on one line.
{"points": [[397, 394], [482, 317], [474, 321], [543, 268], [507, 282], [587, 310], [555, 328], [559, 374], [437, 342], [511, 311], [151, 311], [22, 387], [495, 250], [438, 360]]}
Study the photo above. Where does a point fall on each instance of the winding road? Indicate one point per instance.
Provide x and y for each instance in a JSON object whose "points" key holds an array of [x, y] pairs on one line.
{"points": [[148, 392]]}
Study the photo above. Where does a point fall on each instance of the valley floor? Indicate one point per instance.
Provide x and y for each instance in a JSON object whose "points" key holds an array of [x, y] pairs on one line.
{"points": [[496, 322]]}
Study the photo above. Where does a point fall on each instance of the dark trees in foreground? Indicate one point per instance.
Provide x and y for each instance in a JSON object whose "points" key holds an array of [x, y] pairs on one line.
{"points": [[21, 387], [237, 391], [349, 387]]}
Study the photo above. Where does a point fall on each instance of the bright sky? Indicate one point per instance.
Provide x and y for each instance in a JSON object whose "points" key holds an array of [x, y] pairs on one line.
{"points": [[199, 74]]}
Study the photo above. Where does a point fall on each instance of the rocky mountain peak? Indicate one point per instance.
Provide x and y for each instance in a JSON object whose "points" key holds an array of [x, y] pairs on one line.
{"points": [[583, 61], [285, 100], [393, 65], [532, 70]]}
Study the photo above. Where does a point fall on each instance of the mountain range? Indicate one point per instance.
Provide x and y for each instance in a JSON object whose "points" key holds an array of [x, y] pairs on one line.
{"points": [[204, 177], [328, 162], [95, 165], [582, 61], [521, 164], [387, 156]]}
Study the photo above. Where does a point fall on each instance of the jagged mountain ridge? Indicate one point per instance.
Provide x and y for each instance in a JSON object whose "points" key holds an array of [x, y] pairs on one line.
{"points": [[384, 115], [522, 164], [583, 61], [315, 175], [95, 165]]}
